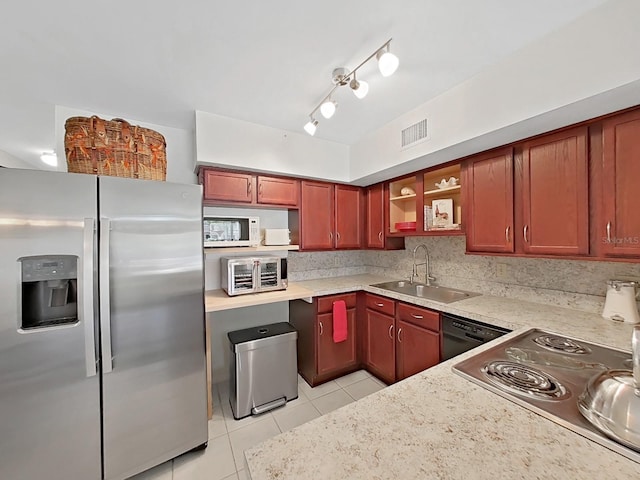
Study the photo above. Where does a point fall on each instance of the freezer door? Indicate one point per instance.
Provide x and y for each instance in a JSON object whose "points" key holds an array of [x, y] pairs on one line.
{"points": [[49, 390], [152, 322]]}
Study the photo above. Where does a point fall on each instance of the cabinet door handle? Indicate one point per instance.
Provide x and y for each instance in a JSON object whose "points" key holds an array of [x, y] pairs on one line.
{"points": [[608, 232], [399, 337], [249, 187], [260, 189], [506, 234], [338, 236], [419, 317], [380, 236], [331, 236], [379, 304], [391, 331], [321, 329], [526, 231]]}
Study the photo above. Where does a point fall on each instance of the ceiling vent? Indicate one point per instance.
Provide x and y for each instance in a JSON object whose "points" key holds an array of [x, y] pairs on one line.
{"points": [[415, 134]]}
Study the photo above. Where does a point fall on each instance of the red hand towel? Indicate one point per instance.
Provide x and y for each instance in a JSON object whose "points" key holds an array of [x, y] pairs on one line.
{"points": [[339, 321]]}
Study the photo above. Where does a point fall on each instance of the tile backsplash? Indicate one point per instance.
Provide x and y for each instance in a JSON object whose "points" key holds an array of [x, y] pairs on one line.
{"points": [[574, 284], [307, 266]]}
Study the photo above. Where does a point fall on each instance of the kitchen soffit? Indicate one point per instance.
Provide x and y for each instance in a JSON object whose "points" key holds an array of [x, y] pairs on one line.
{"points": [[263, 62]]}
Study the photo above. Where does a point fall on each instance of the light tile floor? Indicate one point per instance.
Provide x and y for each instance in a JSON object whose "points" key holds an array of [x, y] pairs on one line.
{"points": [[223, 459]]}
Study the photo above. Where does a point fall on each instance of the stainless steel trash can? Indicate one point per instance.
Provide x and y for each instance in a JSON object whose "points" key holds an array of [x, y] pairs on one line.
{"points": [[263, 368]]}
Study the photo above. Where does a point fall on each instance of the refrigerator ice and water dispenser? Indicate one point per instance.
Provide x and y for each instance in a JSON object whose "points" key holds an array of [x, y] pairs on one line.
{"points": [[49, 291]]}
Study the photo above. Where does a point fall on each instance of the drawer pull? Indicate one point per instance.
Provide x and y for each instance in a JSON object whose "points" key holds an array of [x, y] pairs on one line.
{"points": [[419, 317], [379, 304]]}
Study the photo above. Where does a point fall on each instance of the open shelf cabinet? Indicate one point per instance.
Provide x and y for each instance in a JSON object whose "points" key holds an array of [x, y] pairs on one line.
{"points": [[402, 201], [408, 197]]}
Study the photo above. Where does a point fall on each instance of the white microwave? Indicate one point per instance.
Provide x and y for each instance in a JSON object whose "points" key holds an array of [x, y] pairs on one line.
{"points": [[231, 231]]}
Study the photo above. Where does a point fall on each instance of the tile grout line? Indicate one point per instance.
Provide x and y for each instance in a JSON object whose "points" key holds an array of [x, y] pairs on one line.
{"points": [[310, 400]]}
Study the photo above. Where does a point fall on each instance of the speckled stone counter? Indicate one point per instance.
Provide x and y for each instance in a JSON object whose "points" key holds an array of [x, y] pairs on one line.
{"points": [[437, 424]]}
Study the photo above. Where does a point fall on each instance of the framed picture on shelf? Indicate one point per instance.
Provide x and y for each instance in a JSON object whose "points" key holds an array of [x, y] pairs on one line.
{"points": [[442, 211]]}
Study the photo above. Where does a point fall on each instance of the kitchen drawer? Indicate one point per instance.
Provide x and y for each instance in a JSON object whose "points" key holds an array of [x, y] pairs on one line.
{"points": [[419, 316], [381, 304], [325, 304]]}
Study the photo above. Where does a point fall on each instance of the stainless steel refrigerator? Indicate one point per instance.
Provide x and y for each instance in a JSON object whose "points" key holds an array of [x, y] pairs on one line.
{"points": [[102, 349]]}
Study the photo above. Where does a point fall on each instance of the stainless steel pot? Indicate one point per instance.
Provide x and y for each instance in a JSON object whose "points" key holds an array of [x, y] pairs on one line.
{"points": [[611, 400]]}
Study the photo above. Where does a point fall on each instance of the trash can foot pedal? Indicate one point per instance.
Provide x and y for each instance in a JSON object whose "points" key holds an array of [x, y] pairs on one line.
{"points": [[265, 407]]}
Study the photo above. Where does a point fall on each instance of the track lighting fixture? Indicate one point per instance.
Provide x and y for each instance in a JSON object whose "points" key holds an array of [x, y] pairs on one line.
{"points": [[387, 64]]}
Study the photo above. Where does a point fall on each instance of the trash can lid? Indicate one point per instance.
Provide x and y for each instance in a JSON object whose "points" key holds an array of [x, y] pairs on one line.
{"points": [[255, 333]]}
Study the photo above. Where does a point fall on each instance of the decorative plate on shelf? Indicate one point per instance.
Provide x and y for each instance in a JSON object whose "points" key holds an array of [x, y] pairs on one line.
{"points": [[405, 226]]}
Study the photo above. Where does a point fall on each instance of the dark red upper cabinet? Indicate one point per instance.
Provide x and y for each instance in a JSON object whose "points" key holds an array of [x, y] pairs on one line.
{"points": [[556, 194], [228, 186], [375, 216], [488, 184], [619, 228], [349, 217], [278, 191], [316, 216]]}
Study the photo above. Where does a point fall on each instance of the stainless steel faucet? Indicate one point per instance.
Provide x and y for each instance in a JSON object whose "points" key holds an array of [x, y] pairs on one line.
{"points": [[427, 276]]}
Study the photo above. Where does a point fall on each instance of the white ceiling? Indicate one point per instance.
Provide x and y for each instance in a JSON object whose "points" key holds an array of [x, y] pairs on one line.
{"points": [[267, 62]]}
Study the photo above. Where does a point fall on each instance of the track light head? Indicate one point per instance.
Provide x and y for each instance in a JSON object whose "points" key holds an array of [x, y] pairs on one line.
{"points": [[359, 88], [311, 126], [328, 108], [387, 62]]}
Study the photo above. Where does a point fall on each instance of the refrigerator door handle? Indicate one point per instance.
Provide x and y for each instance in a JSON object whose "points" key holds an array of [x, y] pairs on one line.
{"points": [[86, 296], [105, 302]]}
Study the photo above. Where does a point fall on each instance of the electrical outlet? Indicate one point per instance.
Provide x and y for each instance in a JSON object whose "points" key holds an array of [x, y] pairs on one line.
{"points": [[502, 271]]}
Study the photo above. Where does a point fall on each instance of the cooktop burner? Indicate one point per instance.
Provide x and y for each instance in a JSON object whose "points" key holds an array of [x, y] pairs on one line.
{"points": [[546, 372], [561, 344], [524, 380]]}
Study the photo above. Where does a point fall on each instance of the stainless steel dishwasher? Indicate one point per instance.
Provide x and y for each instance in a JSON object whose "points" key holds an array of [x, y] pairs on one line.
{"points": [[461, 334]]}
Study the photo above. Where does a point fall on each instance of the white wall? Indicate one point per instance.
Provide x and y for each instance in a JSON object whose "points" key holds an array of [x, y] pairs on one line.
{"points": [[9, 161], [180, 143], [583, 70], [231, 143], [237, 319]]}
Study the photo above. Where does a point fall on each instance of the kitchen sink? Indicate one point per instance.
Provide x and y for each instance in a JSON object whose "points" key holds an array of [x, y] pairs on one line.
{"points": [[429, 292]]}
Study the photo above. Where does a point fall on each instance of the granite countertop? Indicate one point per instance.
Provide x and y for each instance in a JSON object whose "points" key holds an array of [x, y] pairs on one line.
{"points": [[436, 424]]}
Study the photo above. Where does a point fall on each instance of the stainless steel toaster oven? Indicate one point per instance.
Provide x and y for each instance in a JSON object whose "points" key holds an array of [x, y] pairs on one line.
{"points": [[253, 274]]}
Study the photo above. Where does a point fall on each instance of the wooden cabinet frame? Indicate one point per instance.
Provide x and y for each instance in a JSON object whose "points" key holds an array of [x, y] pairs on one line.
{"points": [[244, 189]]}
